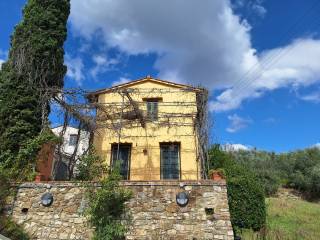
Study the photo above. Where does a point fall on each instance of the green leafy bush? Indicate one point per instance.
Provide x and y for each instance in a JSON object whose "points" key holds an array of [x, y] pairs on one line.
{"points": [[106, 208], [246, 199], [90, 166], [7, 227], [305, 172], [4, 189], [24, 162], [12, 230], [245, 193], [270, 180], [262, 164]]}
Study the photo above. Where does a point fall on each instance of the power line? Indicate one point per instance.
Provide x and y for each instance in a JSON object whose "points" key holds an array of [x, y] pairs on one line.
{"points": [[273, 58]]}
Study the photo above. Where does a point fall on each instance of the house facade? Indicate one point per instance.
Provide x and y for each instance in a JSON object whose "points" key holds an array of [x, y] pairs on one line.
{"points": [[54, 162], [155, 131], [74, 144], [148, 128]]}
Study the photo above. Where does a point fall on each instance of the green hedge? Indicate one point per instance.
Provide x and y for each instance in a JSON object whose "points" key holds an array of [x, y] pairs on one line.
{"points": [[246, 199], [245, 192]]}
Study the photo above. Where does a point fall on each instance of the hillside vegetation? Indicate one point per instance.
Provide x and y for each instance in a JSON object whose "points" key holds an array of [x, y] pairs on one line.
{"points": [[245, 192], [249, 172], [299, 170]]}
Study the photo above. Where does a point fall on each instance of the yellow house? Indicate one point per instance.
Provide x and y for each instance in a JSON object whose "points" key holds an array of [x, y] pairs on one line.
{"points": [[153, 129]]}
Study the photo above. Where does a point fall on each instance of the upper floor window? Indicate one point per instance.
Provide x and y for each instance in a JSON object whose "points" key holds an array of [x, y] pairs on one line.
{"points": [[73, 139], [152, 109]]}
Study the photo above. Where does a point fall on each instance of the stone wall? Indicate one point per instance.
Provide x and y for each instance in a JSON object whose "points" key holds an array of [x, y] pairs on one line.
{"points": [[153, 210], [64, 219]]}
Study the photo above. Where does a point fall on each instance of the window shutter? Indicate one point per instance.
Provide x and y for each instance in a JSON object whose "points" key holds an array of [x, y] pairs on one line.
{"points": [[152, 110]]}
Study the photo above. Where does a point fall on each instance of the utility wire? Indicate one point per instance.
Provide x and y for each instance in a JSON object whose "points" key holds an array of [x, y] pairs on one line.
{"points": [[267, 65], [271, 59]]}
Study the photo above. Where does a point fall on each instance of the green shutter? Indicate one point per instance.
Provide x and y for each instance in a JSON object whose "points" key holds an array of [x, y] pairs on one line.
{"points": [[152, 110]]}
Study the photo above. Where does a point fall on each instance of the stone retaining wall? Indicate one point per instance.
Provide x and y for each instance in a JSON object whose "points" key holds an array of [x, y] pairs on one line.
{"points": [[153, 210]]}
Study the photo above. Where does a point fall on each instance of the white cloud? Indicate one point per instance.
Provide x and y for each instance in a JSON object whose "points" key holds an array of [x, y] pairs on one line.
{"points": [[1, 61], [311, 97], [317, 145], [199, 42], [233, 147], [3, 57], [252, 6], [75, 68], [121, 80], [280, 67], [258, 8], [211, 48], [237, 123], [102, 64]]}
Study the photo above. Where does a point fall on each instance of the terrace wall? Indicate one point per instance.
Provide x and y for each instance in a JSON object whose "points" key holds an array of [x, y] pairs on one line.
{"points": [[153, 210]]}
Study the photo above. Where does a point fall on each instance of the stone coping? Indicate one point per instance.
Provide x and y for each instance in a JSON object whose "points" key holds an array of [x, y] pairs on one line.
{"points": [[175, 183], [3, 237], [179, 183]]}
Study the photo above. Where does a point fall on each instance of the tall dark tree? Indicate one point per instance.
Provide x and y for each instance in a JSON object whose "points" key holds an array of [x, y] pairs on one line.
{"points": [[35, 64]]}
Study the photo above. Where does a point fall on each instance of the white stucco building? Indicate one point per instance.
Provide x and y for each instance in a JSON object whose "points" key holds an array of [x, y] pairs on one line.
{"points": [[68, 148]]}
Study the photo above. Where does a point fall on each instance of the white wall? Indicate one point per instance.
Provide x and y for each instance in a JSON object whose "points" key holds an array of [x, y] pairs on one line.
{"points": [[66, 148]]}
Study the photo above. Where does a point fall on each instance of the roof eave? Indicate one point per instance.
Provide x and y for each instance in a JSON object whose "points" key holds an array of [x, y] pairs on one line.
{"points": [[178, 85]]}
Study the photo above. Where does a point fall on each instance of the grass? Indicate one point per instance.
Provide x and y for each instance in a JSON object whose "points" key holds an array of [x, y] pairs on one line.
{"points": [[289, 220]]}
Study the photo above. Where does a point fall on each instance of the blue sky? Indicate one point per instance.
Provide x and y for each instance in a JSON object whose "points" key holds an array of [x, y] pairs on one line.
{"points": [[259, 59]]}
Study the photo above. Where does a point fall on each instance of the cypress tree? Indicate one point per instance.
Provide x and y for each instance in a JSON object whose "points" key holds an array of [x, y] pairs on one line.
{"points": [[35, 64]]}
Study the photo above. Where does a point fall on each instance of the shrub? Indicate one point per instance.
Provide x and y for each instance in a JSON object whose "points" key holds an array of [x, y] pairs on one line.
{"points": [[304, 174], [270, 180], [106, 208], [90, 167], [265, 165], [245, 193], [12, 230], [22, 168], [246, 199], [7, 227], [315, 181], [4, 189]]}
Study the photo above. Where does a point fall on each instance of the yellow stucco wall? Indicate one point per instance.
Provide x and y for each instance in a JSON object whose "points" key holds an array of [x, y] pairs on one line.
{"points": [[145, 142]]}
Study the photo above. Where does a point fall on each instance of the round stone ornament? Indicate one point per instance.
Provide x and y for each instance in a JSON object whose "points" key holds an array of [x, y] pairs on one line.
{"points": [[46, 199], [182, 199]]}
